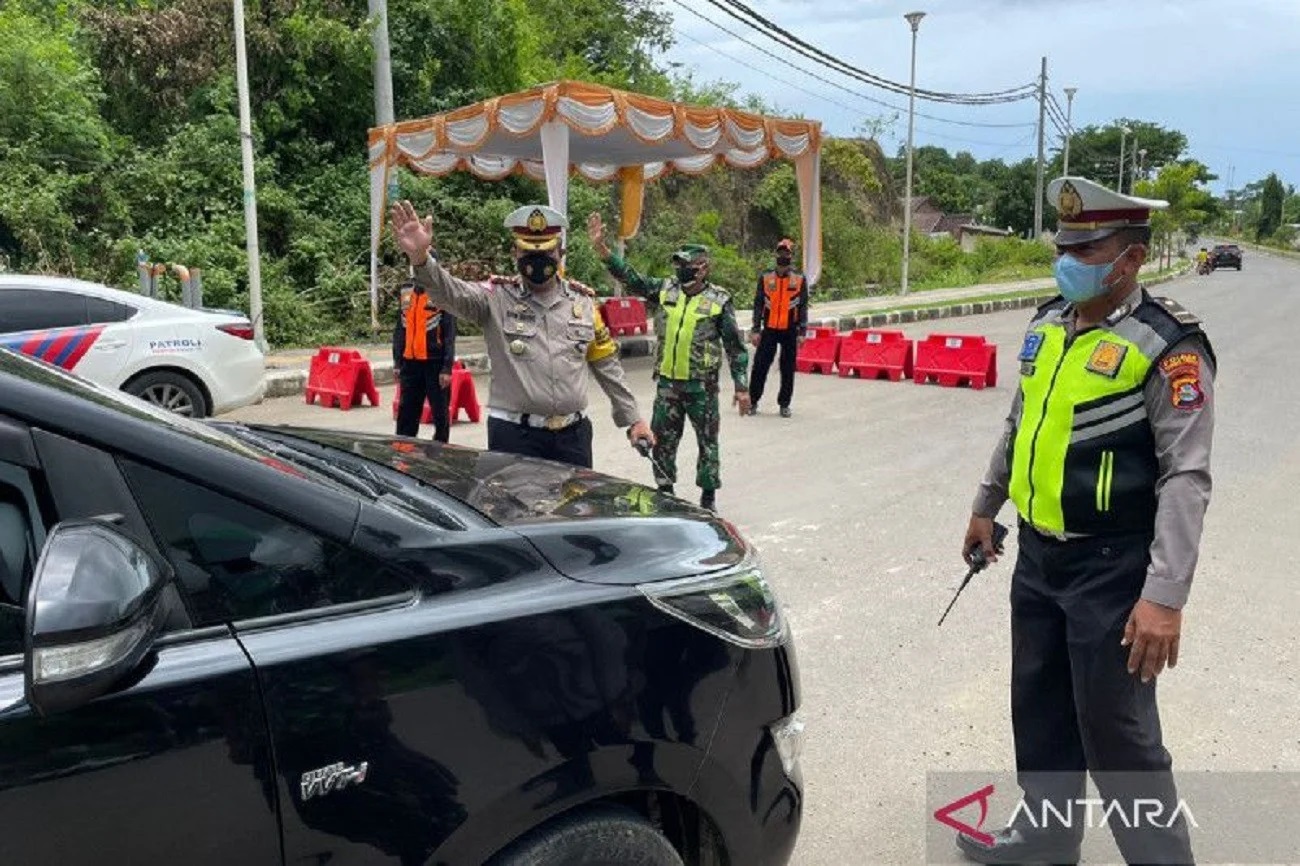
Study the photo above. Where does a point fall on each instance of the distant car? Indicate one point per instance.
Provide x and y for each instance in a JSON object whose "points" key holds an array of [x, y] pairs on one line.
{"points": [[223, 643], [191, 362], [1225, 256]]}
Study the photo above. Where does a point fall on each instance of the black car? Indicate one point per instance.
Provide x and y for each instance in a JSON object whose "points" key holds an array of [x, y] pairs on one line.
{"points": [[232, 644], [1225, 256]]}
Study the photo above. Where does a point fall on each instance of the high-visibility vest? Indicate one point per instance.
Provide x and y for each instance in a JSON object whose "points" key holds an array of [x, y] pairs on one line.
{"points": [[689, 329], [1082, 456], [783, 295], [420, 318]]}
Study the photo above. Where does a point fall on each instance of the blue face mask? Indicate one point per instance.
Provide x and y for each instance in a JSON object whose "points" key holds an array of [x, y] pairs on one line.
{"points": [[1080, 282]]}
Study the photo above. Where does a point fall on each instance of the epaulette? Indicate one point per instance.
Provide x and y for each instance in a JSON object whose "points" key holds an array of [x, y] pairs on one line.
{"points": [[1177, 311], [581, 288]]}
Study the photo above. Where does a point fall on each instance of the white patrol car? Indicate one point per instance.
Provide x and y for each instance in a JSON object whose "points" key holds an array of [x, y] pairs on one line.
{"points": [[192, 362]]}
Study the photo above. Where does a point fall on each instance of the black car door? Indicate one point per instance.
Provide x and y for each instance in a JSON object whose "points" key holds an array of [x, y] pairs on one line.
{"points": [[174, 767]]}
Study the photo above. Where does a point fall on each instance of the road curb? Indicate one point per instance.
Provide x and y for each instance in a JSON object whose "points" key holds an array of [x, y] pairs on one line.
{"points": [[290, 383]]}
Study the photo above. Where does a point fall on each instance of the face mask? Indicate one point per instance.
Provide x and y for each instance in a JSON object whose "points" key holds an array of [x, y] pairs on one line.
{"points": [[536, 268], [686, 274], [1080, 282], [783, 261]]}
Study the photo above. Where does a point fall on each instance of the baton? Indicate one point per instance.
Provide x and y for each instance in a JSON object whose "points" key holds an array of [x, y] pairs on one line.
{"points": [[642, 445], [978, 563]]}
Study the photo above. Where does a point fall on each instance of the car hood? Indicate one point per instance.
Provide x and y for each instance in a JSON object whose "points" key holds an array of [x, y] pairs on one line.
{"points": [[590, 526]]}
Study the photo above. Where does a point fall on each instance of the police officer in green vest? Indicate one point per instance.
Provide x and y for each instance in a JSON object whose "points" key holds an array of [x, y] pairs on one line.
{"points": [[695, 322], [1106, 457]]}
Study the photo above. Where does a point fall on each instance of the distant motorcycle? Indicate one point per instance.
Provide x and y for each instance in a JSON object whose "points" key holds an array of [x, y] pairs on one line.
{"points": [[1204, 267]]}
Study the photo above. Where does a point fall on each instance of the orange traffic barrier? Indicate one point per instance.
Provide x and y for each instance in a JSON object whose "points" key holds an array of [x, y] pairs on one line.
{"points": [[953, 360], [624, 316], [870, 354], [819, 351], [340, 377]]}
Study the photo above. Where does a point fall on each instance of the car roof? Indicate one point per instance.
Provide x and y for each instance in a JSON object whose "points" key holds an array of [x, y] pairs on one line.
{"points": [[39, 282]]}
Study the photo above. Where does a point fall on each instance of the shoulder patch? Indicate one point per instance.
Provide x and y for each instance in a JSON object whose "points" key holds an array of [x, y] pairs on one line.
{"points": [[1183, 370]]}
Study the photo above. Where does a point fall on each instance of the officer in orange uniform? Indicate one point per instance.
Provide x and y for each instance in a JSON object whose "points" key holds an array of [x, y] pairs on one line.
{"points": [[780, 319], [424, 348]]}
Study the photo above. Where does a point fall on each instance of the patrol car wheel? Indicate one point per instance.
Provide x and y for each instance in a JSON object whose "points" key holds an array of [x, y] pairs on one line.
{"points": [[170, 391], [608, 837]]}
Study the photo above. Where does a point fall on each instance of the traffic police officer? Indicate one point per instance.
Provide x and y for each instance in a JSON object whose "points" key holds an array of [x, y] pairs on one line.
{"points": [[424, 348], [1106, 456], [780, 319], [696, 322], [542, 335]]}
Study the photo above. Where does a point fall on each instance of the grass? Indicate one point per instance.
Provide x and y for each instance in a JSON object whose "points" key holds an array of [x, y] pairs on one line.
{"points": [[1017, 295]]}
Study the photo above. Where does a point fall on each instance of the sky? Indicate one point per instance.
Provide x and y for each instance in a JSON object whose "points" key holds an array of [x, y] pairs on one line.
{"points": [[1226, 73]]}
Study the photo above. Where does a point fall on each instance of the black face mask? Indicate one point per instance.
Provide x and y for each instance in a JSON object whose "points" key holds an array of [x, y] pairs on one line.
{"points": [[783, 261], [537, 268], [686, 274]]}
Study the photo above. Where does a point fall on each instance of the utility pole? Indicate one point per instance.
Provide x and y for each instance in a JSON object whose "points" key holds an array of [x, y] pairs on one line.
{"points": [[1069, 128], [914, 21], [250, 183], [1042, 119], [383, 72]]}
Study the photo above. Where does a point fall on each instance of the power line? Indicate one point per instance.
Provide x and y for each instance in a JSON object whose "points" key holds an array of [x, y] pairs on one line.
{"points": [[820, 78], [810, 52], [880, 81]]}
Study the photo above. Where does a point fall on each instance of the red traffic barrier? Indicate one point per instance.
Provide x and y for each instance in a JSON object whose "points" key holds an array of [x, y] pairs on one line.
{"points": [[870, 354], [462, 395], [340, 377], [819, 351], [952, 360], [624, 316]]}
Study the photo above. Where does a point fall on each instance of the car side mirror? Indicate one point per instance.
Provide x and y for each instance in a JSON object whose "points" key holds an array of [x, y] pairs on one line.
{"points": [[94, 609]]}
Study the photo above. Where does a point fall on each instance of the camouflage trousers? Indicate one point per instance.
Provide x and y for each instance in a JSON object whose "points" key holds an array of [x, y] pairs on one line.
{"points": [[675, 401]]}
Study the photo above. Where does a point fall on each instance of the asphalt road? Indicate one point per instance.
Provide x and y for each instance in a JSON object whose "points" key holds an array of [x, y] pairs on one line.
{"points": [[858, 504]]}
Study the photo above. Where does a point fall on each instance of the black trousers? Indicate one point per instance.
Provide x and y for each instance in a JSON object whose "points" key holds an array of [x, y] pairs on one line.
{"points": [[419, 380], [768, 342], [1074, 705], [570, 445]]}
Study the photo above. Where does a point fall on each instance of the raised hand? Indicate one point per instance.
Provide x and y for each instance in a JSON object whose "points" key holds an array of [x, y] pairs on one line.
{"points": [[413, 235], [596, 234]]}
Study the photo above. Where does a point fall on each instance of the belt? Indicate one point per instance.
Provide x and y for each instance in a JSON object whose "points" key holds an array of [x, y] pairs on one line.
{"points": [[546, 422]]}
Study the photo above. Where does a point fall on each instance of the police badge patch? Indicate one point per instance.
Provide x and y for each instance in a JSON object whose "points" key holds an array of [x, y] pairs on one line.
{"points": [[1184, 373], [1107, 358], [1033, 344]]}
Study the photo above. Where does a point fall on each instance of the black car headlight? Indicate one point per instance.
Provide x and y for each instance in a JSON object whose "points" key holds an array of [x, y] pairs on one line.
{"points": [[737, 605]]}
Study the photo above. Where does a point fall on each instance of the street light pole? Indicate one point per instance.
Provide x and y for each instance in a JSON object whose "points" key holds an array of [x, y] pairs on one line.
{"points": [[250, 183], [1040, 177], [914, 20], [1069, 129], [1123, 135]]}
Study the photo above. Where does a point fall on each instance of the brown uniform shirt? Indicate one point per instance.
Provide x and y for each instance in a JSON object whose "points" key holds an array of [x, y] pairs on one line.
{"points": [[542, 346]]}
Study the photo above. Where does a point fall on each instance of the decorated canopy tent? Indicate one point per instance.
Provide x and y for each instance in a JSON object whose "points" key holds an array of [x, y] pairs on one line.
{"points": [[554, 130]]}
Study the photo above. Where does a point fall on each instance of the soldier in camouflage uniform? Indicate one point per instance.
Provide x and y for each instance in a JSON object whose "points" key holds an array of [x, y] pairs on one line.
{"points": [[695, 322]]}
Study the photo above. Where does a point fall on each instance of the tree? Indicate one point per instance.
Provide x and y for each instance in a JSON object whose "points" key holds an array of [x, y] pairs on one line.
{"points": [[1190, 206], [1094, 150], [1272, 198]]}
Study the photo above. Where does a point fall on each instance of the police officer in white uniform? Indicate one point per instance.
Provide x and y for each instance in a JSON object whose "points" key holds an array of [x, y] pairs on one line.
{"points": [[544, 335], [1106, 456]]}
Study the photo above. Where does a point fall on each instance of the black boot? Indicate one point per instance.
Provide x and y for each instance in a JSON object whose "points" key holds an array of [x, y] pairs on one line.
{"points": [[1013, 846], [667, 488], [707, 499]]}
